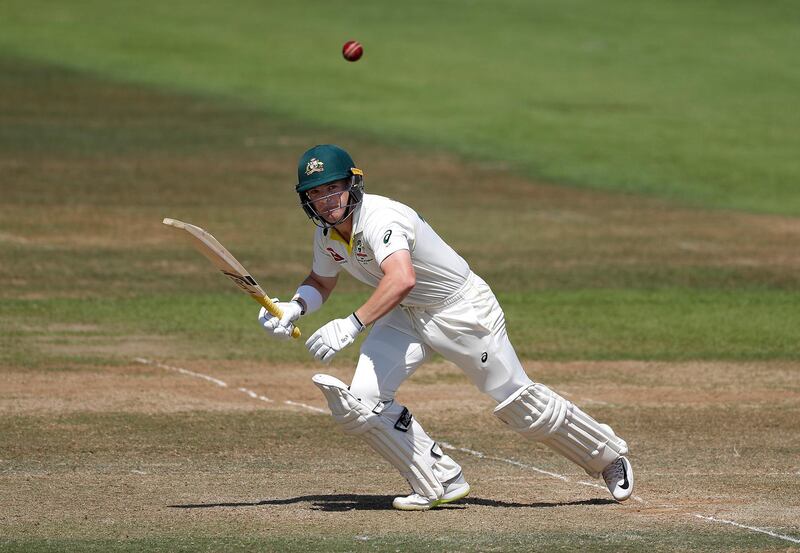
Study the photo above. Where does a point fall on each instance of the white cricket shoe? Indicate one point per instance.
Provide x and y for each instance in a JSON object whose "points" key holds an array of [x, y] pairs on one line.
{"points": [[619, 478], [454, 489]]}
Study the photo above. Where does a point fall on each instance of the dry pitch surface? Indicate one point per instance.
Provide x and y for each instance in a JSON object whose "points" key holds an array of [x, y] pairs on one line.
{"points": [[159, 450], [176, 452]]}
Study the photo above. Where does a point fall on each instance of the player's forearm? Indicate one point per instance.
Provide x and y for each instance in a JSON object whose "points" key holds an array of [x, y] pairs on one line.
{"points": [[323, 288], [391, 291], [313, 292]]}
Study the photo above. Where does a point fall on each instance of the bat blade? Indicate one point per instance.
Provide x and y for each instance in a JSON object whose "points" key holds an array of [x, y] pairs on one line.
{"points": [[223, 260]]}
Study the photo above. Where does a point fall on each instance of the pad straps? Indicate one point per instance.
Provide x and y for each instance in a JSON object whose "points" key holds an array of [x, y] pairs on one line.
{"points": [[544, 416], [391, 431]]}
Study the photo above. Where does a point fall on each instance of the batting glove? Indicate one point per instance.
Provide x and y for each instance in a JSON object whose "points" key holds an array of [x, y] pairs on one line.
{"points": [[333, 337], [280, 328]]}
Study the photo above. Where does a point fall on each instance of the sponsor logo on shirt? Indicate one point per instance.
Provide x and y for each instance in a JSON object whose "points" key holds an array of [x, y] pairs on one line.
{"points": [[336, 257]]}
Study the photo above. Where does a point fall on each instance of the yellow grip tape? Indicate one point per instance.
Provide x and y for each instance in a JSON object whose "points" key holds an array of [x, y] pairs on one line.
{"points": [[275, 311]]}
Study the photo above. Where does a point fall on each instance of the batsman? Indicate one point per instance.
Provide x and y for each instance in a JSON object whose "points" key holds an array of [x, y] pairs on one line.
{"points": [[426, 300]]}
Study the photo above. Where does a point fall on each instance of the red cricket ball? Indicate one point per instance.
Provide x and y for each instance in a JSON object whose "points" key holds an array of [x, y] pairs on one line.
{"points": [[352, 50]]}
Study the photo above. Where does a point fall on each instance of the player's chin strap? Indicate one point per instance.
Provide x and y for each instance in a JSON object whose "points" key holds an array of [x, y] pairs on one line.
{"points": [[390, 429], [544, 416]]}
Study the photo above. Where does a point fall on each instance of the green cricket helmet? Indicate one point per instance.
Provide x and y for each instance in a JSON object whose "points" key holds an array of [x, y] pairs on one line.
{"points": [[324, 164]]}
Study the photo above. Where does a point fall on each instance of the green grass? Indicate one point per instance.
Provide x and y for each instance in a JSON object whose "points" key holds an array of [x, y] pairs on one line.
{"points": [[690, 101], [668, 324], [81, 242], [91, 279], [672, 324]]}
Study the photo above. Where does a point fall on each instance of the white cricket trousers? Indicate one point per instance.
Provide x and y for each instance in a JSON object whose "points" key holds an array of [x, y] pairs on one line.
{"points": [[469, 329]]}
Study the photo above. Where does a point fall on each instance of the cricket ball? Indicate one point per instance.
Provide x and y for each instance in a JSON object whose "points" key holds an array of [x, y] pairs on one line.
{"points": [[352, 50]]}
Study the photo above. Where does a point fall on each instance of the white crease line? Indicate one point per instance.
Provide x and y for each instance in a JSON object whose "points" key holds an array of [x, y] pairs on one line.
{"points": [[478, 454], [254, 395], [222, 384], [482, 455], [753, 528], [737, 473], [312, 408], [216, 381], [531, 467]]}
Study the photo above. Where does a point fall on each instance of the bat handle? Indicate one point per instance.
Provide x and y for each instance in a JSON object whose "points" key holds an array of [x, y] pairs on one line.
{"points": [[275, 311]]}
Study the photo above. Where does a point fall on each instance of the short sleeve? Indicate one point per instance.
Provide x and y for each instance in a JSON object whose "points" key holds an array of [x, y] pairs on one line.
{"points": [[390, 232], [323, 264]]}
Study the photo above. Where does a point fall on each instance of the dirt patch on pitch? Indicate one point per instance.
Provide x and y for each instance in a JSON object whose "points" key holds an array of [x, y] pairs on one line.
{"points": [[433, 386], [213, 458]]}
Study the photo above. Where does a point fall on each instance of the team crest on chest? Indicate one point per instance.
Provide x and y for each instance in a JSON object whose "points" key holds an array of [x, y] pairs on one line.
{"points": [[314, 166], [361, 255]]}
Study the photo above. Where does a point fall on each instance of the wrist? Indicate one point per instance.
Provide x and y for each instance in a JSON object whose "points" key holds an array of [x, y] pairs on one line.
{"points": [[353, 318], [299, 301], [309, 298]]}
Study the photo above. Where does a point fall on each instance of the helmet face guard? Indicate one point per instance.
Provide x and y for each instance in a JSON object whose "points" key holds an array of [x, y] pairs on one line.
{"points": [[355, 187], [324, 164]]}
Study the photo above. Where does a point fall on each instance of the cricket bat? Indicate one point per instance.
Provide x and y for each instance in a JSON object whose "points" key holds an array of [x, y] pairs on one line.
{"points": [[230, 267]]}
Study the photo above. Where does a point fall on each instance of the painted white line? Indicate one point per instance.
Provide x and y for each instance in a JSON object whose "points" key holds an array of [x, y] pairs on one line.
{"points": [[187, 372], [222, 384], [724, 474], [509, 461], [530, 467], [310, 407], [753, 528], [478, 454], [254, 395]]}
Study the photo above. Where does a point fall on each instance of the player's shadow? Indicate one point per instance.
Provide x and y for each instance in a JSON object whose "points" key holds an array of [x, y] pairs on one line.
{"points": [[353, 502]]}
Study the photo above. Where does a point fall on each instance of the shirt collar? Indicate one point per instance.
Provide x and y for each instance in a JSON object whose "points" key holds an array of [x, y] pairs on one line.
{"points": [[358, 223]]}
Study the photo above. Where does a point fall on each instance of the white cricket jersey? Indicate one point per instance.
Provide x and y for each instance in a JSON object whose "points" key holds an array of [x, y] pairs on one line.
{"points": [[382, 226]]}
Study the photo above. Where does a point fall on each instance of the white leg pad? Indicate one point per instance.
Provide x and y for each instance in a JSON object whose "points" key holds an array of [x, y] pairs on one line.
{"points": [[544, 416], [392, 432]]}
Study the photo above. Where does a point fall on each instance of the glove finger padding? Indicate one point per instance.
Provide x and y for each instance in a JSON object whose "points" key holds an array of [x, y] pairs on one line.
{"points": [[283, 332], [265, 316], [328, 355], [291, 312], [270, 324], [313, 342], [333, 337], [273, 325], [316, 346]]}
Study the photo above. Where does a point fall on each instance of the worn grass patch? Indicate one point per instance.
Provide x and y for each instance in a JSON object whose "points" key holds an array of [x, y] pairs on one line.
{"points": [[169, 461], [483, 541]]}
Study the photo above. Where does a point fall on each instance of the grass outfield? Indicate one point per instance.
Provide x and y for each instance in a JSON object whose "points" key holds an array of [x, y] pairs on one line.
{"points": [[684, 100], [93, 167], [673, 324]]}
